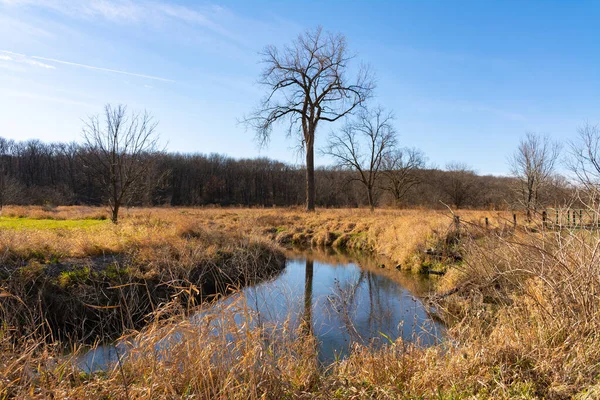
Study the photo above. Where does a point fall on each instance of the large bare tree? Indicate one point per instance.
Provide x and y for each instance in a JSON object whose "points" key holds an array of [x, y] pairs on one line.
{"points": [[118, 147], [308, 83], [362, 145], [533, 165], [399, 168]]}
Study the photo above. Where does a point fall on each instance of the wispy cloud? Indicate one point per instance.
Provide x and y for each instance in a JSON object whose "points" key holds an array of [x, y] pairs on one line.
{"points": [[134, 11], [23, 59], [202, 25], [116, 71], [114, 10], [197, 18], [31, 60]]}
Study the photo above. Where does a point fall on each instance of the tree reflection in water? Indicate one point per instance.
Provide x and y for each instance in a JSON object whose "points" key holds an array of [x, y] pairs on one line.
{"points": [[308, 289]]}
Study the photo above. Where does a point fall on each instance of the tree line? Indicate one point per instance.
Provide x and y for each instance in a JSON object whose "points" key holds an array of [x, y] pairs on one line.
{"points": [[34, 172]]}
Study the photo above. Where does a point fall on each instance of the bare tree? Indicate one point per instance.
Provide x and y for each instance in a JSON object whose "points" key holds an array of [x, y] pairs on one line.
{"points": [[118, 152], [533, 165], [399, 167], [459, 183], [362, 145], [584, 161], [307, 84]]}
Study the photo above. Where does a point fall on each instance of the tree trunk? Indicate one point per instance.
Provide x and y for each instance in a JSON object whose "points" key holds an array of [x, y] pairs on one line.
{"points": [[529, 204], [370, 196], [310, 176], [115, 213], [308, 289]]}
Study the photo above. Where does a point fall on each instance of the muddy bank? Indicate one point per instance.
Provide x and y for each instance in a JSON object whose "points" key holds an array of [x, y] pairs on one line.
{"points": [[101, 297]]}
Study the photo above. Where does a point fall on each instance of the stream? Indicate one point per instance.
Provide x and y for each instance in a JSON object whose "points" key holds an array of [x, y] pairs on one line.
{"points": [[342, 299]]}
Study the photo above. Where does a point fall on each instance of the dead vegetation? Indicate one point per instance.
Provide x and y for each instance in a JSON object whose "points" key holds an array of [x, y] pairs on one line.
{"points": [[521, 305], [94, 283]]}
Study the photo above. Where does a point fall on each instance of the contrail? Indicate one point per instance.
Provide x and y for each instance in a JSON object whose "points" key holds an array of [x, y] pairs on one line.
{"points": [[115, 71]]}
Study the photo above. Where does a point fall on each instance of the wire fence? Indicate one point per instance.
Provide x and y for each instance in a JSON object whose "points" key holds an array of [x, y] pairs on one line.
{"points": [[563, 218]]}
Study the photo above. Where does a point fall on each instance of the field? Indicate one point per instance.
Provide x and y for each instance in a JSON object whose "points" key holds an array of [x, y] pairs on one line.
{"points": [[521, 304]]}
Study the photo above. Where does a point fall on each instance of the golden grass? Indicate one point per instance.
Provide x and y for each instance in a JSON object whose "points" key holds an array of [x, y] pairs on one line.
{"points": [[524, 313], [396, 234]]}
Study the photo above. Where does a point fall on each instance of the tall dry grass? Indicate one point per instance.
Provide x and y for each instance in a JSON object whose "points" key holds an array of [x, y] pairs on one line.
{"points": [[89, 284], [396, 234], [521, 307]]}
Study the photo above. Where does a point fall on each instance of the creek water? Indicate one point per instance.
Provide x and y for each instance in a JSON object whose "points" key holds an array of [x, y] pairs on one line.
{"points": [[342, 299]]}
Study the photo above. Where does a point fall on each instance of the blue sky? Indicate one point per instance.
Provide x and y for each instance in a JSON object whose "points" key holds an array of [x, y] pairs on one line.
{"points": [[465, 79]]}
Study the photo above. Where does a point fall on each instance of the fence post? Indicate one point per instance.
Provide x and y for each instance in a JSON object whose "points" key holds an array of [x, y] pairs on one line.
{"points": [[556, 217], [544, 215], [515, 220], [487, 223], [568, 218]]}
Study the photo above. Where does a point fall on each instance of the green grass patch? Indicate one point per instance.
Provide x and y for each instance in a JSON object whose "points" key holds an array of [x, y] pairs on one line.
{"points": [[29, 223], [74, 277]]}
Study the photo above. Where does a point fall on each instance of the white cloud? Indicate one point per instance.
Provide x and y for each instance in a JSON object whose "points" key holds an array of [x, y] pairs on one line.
{"points": [[23, 59], [116, 71], [193, 17], [132, 11], [32, 60], [116, 10], [202, 25], [39, 64]]}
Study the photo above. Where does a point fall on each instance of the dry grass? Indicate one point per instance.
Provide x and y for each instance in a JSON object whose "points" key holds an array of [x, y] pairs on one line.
{"points": [[523, 309], [396, 234], [80, 279]]}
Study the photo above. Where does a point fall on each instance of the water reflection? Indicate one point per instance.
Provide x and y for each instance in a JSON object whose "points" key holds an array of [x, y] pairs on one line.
{"points": [[308, 288], [341, 302], [339, 299]]}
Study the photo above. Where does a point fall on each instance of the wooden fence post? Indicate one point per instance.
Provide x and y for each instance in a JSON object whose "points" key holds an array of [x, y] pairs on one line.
{"points": [[544, 215], [487, 223], [515, 220]]}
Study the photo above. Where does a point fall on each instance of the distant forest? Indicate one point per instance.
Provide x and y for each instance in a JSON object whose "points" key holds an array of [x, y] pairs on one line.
{"points": [[37, 173]]}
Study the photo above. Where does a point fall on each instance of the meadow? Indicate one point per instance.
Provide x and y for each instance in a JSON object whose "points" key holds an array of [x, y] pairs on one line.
{"points": [[520, 303]]}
